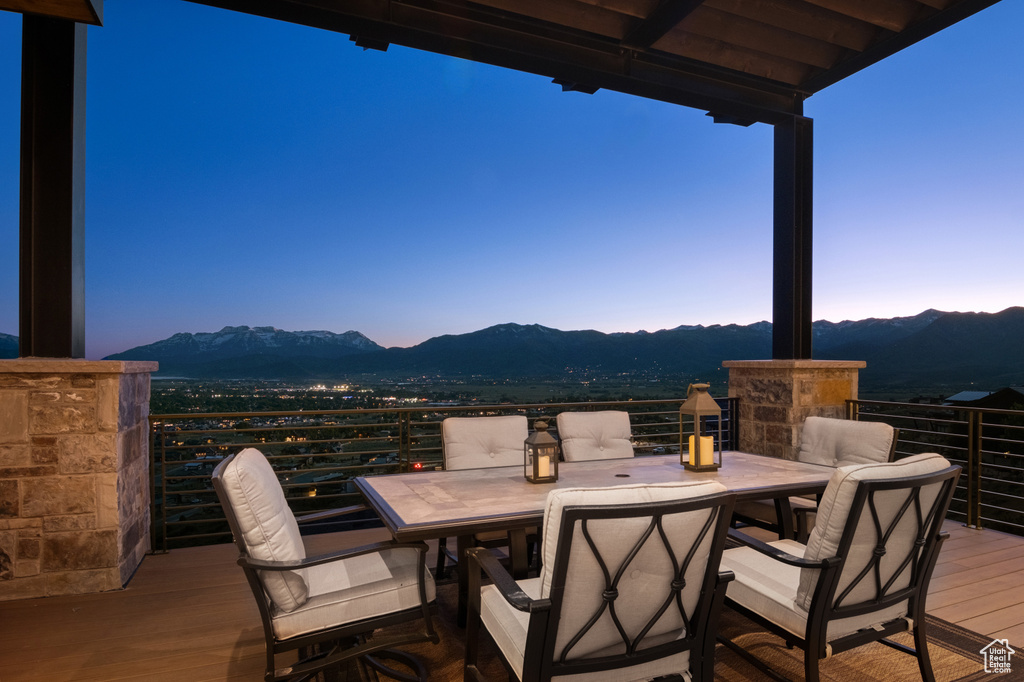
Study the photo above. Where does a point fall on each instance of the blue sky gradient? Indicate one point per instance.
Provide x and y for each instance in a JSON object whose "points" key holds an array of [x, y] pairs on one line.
{"points": [[246, 171]]}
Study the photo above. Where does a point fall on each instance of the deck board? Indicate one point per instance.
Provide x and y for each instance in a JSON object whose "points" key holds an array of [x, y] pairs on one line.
{"points": [[188, 614]]}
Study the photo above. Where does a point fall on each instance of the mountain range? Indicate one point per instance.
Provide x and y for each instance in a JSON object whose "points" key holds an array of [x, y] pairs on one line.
{"points": [[931, 349], [8, 346]]}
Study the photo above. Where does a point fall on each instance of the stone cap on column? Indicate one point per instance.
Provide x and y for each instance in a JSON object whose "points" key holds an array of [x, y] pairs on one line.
{"points": [[75, 366], [795, 364]]}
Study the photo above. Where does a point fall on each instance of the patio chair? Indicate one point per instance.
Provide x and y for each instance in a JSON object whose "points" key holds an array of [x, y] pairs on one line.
{"points": [[630, 587], [594, 435], [479, 443], [829, 442], [323, 607], [863, 574]]}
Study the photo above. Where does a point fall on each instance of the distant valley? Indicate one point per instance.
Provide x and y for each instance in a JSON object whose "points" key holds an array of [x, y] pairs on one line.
{"points": [[933, 349]]}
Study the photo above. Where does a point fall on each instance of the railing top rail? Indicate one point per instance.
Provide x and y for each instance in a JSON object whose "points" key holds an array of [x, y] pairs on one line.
{"points": [[929, 406], [421, 408]]}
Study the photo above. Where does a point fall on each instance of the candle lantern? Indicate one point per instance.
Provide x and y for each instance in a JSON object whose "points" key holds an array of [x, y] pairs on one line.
{"points": [[700, 408], [540, 455]]}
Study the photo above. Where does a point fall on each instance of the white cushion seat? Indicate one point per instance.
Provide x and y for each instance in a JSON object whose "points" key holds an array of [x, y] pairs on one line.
{"points": [[595, 435], [770, 588], [353, 589]]}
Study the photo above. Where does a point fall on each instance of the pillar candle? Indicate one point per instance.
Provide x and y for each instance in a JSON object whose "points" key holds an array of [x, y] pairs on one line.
{"points": [[707, 451]]}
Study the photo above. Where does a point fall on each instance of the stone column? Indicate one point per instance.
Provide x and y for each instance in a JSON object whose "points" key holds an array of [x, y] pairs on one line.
{"points": [[74, 475], [775, 396]]}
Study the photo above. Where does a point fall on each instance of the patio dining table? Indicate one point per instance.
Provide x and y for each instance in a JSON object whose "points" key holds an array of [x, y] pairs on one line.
{"points": [[436, 504]]}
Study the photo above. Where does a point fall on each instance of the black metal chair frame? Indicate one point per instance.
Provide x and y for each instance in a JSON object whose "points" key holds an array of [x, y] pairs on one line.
{"points": [[785, 512], [826, 606], [541, 663], [326, 649]]}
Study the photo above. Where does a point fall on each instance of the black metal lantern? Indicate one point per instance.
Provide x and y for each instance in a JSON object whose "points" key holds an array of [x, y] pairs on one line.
{"points": [[540, 455], [701, 455]]}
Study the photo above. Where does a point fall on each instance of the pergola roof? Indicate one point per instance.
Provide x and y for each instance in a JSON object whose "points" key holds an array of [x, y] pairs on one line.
{"points": [[743, 61]]}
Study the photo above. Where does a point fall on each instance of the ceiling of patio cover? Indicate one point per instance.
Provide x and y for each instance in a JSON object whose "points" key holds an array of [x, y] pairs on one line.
{"points": [[742, 61]]}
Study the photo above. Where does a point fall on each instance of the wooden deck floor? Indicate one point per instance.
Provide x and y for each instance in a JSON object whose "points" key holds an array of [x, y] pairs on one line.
{"points": [[188, 615]]}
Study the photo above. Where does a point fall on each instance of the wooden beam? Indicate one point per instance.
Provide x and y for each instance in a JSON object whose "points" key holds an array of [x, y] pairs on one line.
{"points": [[804, 19], [52, 222], [764, 38], [665, 17], [83, 11]]}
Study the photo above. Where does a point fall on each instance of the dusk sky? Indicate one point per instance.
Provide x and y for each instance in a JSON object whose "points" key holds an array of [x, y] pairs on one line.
{"points": [[242, 171]]}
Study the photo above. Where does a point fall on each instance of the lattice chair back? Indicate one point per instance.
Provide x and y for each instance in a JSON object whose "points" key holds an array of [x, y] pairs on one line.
{"points": [[883, 519], [630, 571]]}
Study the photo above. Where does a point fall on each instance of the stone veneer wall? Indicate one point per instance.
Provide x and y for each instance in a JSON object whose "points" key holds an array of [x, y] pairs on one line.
{"points": [[776, 396], [74, 475]]}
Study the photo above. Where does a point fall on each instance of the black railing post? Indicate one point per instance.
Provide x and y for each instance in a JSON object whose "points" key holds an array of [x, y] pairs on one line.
{"points": [[163, 485], [153, 516], [974, 469], [405, 440]]}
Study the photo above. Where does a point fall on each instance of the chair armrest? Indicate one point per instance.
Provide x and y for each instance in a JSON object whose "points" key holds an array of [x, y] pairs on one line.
{"points": [[330, 513], [309, 562], [507, 587], [778, 554]]}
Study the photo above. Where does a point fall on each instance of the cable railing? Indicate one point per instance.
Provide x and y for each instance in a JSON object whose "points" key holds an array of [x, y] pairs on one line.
{"points": [[317, 454], [987, 443]]}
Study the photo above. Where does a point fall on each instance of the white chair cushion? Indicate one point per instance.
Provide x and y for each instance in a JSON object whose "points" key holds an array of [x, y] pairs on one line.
{"points": [[480, 442], [508, 626], [268, 526], [644, 586], [350, 590], [769, 587], [838, 442], [594, 435], [834, 510]]}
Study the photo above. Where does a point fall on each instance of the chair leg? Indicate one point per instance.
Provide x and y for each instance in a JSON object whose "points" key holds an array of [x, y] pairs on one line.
{"points": [[810, 666], [442, 545], [923, 659], [471, 669]]}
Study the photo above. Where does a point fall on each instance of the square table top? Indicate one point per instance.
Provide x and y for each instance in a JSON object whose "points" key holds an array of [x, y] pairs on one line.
{"points": [[420, 506]]}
